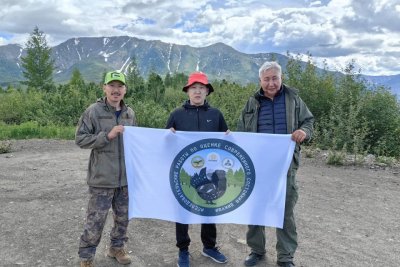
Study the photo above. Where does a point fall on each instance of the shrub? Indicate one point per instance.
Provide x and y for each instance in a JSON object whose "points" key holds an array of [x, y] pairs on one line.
{"points": [[5, 147], [336, 158], [389, 161], [310, 152]]}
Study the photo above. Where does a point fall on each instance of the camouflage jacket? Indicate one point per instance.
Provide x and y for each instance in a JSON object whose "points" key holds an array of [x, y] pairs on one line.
{"points": [[106, 163]]}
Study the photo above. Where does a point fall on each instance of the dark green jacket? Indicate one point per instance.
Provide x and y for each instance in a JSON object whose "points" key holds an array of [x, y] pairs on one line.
{"points": [[298, 116], [107, 162]]}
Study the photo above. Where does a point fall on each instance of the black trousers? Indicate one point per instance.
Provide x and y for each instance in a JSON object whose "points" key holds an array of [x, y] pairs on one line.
{"points": [[208, 235]]}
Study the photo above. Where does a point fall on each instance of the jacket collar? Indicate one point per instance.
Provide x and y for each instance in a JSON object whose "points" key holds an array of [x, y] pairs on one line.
{"points": [[107, 105], [260, 93], [187, 105]]}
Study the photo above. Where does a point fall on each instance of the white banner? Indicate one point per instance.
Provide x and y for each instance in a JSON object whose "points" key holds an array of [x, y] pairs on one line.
{"points": [[207, 177]]}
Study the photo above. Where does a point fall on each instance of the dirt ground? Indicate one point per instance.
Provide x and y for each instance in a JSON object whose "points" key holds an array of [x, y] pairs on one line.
{"points": [[346, 216]]}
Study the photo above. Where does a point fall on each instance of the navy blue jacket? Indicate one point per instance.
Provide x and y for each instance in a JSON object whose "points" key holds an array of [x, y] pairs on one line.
{"points": [[272, 114]]}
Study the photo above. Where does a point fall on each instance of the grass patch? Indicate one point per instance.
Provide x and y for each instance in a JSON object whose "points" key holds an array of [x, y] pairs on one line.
{"points": [[32, 129], [388, 161], [336, 158], [310, 152]]}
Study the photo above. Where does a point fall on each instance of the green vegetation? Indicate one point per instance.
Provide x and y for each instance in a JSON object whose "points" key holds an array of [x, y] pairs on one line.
{"points": [[230, 194], [350, 116], [336, 158], [38, 65], [5, 147], [32, 129]]}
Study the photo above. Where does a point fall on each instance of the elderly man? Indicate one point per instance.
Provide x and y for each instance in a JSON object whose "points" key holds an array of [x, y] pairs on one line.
{"points": [[277, 109]]}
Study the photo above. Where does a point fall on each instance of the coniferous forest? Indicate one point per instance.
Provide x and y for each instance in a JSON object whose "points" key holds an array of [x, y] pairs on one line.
{"points": [[350, 115]]}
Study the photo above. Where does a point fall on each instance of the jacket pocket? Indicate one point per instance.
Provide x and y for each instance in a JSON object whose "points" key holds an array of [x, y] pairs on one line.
{"points": [[103, 168], [248, 121]]}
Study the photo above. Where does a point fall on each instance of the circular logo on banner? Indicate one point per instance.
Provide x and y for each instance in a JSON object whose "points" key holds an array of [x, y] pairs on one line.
{"points": [[211, 177]]}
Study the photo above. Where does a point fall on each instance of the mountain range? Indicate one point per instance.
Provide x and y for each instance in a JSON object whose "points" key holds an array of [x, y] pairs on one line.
{"points": [[93, 56]]}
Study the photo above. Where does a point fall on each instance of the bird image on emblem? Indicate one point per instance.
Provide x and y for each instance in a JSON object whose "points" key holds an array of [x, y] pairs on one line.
{"points": [[209, 185]]}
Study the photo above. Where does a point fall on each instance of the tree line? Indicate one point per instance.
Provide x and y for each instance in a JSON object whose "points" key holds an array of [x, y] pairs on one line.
{"points": [[350, 114]]}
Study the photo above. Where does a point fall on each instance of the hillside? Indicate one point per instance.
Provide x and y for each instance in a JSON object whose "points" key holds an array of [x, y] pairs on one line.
{"points": [[93, 56]]}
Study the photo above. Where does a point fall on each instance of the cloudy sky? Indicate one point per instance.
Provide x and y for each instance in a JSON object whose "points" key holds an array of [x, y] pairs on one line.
{"points": [[337, 31]]}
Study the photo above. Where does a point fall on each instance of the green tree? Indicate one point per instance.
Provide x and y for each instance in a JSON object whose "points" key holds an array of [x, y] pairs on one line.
{"points": [[230, 99], [293, 71], [135, 82], [77, 79], [382, 111], [155, 87], [345, 128], [178, 80], [150, 114], [316, 88], [185, 177], [239, 177], [173, 98], [38, 65], [168, 80]]}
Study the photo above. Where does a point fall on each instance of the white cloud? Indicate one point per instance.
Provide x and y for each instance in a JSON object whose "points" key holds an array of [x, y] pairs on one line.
{"points": [[333, 30]]}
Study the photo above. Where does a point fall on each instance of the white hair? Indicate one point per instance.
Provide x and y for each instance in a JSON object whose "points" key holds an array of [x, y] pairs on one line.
{"points": [[270, 65]]}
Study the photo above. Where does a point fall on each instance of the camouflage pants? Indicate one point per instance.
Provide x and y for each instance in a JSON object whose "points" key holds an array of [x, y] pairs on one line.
{"points": [[287, 237], [100, 201]]}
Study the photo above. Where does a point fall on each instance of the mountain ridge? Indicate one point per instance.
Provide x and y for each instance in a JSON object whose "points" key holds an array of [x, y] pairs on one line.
{"points": [[93, 56]]}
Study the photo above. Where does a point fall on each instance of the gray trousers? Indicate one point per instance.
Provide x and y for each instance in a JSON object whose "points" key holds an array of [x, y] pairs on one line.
{"points": [[100, 201], [287, 237]]}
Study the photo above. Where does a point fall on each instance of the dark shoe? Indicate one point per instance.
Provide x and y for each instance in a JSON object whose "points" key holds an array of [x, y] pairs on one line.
{"points": [[286, 264], [183, 259], [253, 259], [214, 254]]}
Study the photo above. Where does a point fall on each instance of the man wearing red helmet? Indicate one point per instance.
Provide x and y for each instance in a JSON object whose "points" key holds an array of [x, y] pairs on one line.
{"points": [[197, 115]]}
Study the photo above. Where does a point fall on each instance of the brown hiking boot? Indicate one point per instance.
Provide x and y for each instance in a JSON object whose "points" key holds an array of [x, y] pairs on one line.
{"points": [[88, 263], [120, 255]]}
